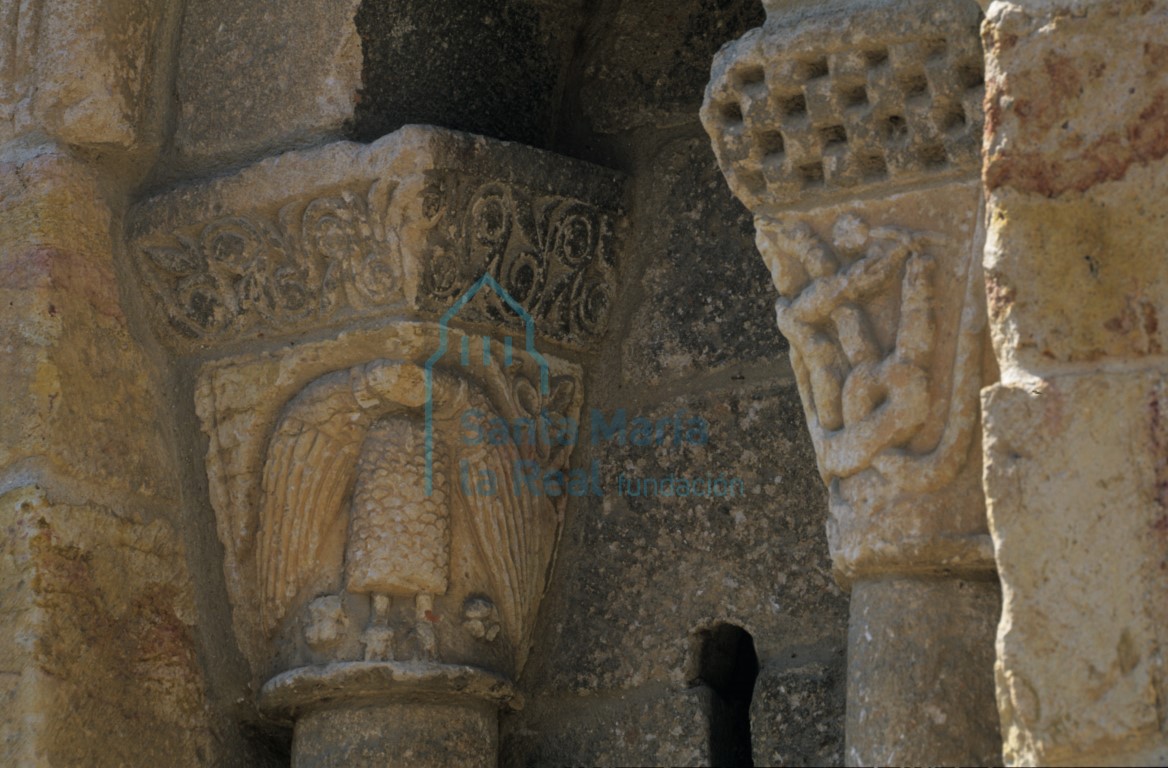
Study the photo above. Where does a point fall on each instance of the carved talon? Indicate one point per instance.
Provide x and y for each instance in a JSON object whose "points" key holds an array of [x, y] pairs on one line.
{"points": [[378, 637]]}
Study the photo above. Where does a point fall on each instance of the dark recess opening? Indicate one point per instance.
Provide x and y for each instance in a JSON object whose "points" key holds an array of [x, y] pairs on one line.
{"points": [[728, 664]]}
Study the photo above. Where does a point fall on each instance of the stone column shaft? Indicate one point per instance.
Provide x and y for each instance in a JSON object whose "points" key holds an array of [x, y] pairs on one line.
{"points": [[853, 135]]}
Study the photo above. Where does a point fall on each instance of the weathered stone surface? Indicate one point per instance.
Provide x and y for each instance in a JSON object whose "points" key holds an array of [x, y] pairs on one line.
{"points": [[81, 400], [1099, 288], [1073, 437], [1077, 463], [415, 733], [705, 299], [97, 657], [919, 672], [259, 77], [1073, 268], [640, 578], [322, 237], [84, 72], [483, 66], [648, 60], [794, 718], [101, 663], [654, 725], [288, 430], [640, 575], [1063, 113]]}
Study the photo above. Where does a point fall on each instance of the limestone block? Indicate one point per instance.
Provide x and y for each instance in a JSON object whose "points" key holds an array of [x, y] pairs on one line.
{"points": [[920, 654], [348, 232], [81, 399], [1075, 480], [98, 660], [1065, 114], [1074, 267], [255, 77], [81, 71]]}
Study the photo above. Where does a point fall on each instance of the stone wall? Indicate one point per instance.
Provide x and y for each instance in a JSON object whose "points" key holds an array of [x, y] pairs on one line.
{"points": [[650, 600], [640, 583], [233, 235], [1075, 172]]}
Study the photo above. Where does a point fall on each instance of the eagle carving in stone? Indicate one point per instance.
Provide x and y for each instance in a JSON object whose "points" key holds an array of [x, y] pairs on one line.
{"points": [[345, 511]]}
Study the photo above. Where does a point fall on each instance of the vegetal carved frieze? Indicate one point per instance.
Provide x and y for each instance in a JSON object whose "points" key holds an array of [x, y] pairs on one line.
{"points": [[321, 238]]}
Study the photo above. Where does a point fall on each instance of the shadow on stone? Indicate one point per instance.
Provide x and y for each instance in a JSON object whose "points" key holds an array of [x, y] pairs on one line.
{"points": [[728, 665]]}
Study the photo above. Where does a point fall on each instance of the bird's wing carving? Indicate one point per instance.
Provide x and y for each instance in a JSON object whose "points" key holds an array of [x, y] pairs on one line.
{"points": [[514, 532], [307, 479]]}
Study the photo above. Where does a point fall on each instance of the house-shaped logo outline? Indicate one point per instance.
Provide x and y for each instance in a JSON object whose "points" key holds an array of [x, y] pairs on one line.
{"points": [[443, 344]]}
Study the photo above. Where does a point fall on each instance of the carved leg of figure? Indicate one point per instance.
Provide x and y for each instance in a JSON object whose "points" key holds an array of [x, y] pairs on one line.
{"points": [[378, 636], [427, 639]]}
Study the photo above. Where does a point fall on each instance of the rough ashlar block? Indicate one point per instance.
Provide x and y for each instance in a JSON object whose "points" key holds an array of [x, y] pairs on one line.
{"points": [[1075, 481], [98, 653], [83, 71], [255, 77], [81, 400]]}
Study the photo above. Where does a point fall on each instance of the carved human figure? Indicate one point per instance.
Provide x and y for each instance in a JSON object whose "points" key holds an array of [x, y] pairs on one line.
{"points": [[860, 316]]}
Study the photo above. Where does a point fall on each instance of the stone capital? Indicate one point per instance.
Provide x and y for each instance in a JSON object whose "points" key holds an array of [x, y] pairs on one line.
{"points": [[379, 334], [853, 137]]}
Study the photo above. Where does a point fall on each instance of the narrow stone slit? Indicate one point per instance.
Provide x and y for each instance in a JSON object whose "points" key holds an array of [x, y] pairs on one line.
{"points": [[728, 664]]}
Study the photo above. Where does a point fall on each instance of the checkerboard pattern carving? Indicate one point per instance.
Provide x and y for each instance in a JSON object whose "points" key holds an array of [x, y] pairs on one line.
{"points": [[841, 101]]}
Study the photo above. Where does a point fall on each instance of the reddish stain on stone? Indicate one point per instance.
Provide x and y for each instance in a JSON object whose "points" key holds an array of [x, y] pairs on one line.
{"points": [[1108, 158], [26, 270], [992, 104], [1063, 76], [999, 296], [1159, 439], [1151, 328], [1155, 58]]}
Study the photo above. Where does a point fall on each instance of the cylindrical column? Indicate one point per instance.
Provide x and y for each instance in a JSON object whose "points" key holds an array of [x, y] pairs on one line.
{"points": [[378, 713], [419, 734], [919, 655], [853, 133]]}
